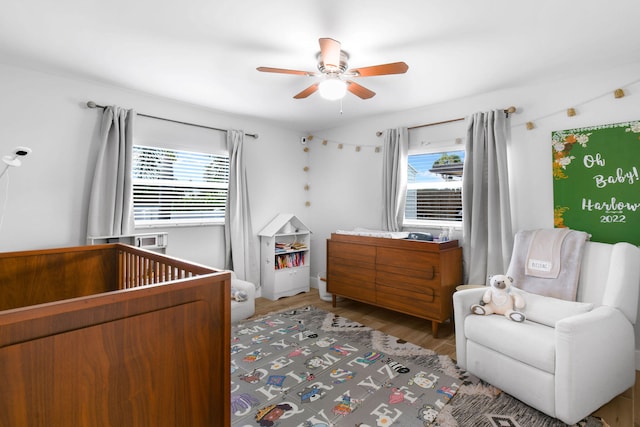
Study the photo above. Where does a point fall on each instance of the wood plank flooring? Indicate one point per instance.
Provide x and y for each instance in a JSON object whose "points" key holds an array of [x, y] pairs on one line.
{"points": [[408, 328], [617, 413]]}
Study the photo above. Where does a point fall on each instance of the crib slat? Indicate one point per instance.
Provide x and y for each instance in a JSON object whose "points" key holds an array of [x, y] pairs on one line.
{"points": [[138, 268]]}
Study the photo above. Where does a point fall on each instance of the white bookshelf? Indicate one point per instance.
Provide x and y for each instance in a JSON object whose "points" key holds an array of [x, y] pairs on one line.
{"points": [[284, 257]]}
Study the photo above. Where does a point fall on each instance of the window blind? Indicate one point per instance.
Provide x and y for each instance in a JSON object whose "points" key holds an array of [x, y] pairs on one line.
{"points": [[178, 187], [434, 187]]}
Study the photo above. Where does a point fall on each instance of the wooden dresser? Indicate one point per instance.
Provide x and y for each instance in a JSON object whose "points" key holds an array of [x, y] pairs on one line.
{"points": [[412, 277]]}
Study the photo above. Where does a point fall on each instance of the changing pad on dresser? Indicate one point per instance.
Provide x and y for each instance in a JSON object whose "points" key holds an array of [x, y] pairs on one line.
{"points": [[375, 233]]}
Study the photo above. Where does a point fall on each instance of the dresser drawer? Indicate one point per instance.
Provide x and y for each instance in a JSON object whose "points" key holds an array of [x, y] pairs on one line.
{"points": [[418, 304], [355, 255], [405, 281], [421, 264], [359, 283]]}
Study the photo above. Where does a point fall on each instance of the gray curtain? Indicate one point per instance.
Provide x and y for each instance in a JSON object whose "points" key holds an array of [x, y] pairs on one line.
{"points": [[111, 200], [240, 243], [487, 230], [394, 178]]}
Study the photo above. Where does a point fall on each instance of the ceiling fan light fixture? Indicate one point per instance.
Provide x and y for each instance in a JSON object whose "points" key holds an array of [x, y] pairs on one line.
{"points": [[333, 66], [332, 89]]}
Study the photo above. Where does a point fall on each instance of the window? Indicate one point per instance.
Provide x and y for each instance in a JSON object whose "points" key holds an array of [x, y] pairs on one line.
{"points": [[434, 188], [176, 187]]}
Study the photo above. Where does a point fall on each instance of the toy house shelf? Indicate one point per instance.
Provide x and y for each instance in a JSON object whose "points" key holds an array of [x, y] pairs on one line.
{"points": [[284, 257]]}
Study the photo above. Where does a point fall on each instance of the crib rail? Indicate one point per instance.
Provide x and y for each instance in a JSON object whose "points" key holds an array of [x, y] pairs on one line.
{"points": [[139, 267], [40, 276]]}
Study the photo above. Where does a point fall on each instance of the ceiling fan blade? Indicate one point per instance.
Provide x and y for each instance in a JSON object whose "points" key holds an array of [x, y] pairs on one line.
{"points": [[308, 91], [359, 90], [379, 70], [330, 52], [284, 71]]}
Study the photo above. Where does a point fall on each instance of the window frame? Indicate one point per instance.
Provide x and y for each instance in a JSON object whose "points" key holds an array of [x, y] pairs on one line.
{"points": [[432, 223], [183, 184]]}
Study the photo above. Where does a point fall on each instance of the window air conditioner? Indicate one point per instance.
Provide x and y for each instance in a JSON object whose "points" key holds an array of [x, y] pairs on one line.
{"points": [[152, 241]]}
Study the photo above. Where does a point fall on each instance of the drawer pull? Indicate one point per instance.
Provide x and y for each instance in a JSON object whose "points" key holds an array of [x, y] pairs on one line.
{"points": [[431, 295]]}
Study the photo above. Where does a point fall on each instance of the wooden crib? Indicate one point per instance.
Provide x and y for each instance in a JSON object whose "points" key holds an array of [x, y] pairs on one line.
{"points": [[112, 335]]}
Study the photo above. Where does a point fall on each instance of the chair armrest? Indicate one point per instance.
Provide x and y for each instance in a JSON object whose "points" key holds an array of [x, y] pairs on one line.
{"points": [[464, 299], [595, 353], [462, 302], [245, 286], [242, 285], [622, 288]]}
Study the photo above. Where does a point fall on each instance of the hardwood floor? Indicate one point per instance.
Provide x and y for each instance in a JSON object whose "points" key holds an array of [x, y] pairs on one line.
{"points": [[617, 413], [408, 328]]}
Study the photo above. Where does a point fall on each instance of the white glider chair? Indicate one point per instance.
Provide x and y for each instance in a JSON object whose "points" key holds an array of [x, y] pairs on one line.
{"points": [[569, 357]]}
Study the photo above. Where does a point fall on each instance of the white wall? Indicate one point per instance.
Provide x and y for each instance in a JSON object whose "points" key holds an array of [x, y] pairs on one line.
{"points": [[47, 199], [347, 184]]}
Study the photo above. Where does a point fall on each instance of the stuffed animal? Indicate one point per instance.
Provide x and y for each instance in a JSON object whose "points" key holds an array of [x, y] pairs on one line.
{"points": [[238, 294], [498, 299]]}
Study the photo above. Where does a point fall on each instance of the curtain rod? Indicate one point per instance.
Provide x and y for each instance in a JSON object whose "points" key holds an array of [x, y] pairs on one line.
{"points": [[92, 104], [508, 111]]}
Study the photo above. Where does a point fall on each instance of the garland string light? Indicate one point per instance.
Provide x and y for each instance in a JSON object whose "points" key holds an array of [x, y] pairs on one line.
{"points": [[341, 145], [529, 124], [571, 112], [307, 186]]}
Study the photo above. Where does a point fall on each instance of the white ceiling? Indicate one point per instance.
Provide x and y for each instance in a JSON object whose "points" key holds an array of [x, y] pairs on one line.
{"points": [[205, 52]]}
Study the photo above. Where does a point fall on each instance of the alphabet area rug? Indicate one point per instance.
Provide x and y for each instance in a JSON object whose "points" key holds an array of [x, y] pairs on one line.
{"points": [[307, 367]]}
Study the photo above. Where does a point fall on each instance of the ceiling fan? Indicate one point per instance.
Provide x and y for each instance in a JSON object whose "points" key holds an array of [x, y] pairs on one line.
{"points": [[333, 67]]}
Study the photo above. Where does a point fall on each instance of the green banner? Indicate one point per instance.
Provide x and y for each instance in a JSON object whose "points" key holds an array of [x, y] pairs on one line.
{"points": [[596, 186]]}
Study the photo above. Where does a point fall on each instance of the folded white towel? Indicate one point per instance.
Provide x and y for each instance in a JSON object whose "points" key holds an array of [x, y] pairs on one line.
{"points": [[543, 257]]}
